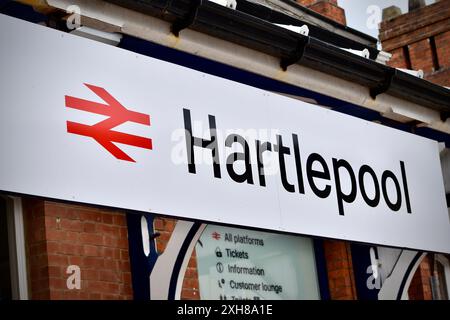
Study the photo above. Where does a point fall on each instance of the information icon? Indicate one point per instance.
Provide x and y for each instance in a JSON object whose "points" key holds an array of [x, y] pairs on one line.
{"points": [[219, 267]]}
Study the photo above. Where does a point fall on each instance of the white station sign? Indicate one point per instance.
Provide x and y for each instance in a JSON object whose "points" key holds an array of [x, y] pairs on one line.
{"points": [[86, 122]]}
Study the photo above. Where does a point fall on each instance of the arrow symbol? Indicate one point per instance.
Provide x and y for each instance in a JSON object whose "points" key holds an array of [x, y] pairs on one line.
{"points": [[101, 131]]}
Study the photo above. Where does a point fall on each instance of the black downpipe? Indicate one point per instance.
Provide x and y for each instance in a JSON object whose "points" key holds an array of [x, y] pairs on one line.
{"points": [[296, 55], [188, 20]]}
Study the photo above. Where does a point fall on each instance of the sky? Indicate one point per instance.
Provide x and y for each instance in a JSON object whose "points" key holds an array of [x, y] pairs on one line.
{"points": [[364, 15]]}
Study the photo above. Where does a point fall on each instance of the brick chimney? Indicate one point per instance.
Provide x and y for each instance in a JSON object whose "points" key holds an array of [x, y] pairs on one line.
{"points": [[327, 8], [419, 39]]}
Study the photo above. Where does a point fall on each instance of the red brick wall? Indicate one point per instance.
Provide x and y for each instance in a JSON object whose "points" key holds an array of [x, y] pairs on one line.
{"points": [[340, 270], [327, 8], [441, 77], [398, 58], [420, 287], [96, 240], [420, 54], [190, 289], [414, 30], [37, 257], [442, 41], [306, 3]]}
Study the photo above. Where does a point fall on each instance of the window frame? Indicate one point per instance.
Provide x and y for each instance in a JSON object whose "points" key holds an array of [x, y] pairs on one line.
{"points": [[16, 244], [446, 264]]}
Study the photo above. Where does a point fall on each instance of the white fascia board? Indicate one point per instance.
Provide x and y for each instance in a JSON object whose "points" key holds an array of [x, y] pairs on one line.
{"points": [[112, 17]]}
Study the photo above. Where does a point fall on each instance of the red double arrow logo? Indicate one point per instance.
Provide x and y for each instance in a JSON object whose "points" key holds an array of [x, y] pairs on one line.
{"points": [[101, 131]]}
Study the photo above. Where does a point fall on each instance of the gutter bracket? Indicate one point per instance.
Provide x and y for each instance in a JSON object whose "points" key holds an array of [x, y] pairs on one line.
{"points": [[384, 85], [188, 20], [296, 55]]}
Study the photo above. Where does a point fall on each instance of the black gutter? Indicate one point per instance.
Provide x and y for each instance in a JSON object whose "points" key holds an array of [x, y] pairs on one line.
{"points": [[335, 24], [290, 47], [324, 35]]}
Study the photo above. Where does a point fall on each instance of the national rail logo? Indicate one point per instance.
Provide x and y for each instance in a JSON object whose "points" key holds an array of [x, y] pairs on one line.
{"points": [[102, 131]]}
